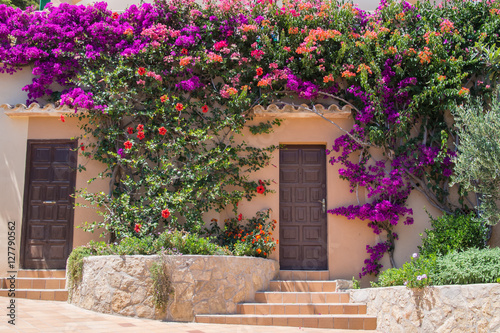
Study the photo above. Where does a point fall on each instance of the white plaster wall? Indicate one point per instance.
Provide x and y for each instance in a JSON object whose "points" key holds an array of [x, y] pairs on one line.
{"points": [[11, 86]]}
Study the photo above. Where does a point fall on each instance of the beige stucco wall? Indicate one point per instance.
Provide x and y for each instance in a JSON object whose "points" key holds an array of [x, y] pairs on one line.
{"points": [[12, 161]]}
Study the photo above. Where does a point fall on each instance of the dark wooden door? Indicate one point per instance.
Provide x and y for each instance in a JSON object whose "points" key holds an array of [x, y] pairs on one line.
{"points": [[48, 205], [303, 238]]}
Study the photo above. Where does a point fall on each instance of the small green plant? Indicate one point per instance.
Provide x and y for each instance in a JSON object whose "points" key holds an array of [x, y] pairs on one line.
{"points": [[242, 249], [355, 283], [453, 232], [162, 288]]}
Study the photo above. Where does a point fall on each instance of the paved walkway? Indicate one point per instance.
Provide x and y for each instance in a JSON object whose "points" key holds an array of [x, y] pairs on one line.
{"points": [[50, 316]]}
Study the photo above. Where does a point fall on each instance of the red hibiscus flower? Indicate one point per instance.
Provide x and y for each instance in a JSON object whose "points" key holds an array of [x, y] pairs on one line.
{"points": [[114, 15], [261, 189], [162, 130], [141, 71], [130, 130], [184, 51], [137, 228], [127, 144], [62, 118], [140, 127], [140, 135], [179, 107], [259, 71], [204, 109], [240, 217], [165, 213]]}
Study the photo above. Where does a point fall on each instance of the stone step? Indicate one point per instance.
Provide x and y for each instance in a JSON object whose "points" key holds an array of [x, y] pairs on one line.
{"points": [[355, 322], [38, 294], [35, 283], [304, 275], [303, 286], [41, 273], [301, 308], [301, 297]]}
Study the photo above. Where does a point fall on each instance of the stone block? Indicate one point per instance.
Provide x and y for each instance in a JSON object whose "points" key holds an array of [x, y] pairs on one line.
{"points": [[143, 311], [120, 300]]}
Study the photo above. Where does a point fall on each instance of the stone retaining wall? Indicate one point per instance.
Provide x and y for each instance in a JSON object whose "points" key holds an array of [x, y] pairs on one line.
{"points": [[457, 308], [201, 284]]}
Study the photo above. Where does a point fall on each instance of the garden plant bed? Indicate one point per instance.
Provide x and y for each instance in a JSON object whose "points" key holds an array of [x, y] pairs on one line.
{"points": [[201, 284]]}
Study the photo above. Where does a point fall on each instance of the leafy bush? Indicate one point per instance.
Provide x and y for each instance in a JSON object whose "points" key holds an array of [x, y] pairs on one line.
{"points": [[134, 245], [416, 273], [187, 243], [453, 233], [468, 267]]}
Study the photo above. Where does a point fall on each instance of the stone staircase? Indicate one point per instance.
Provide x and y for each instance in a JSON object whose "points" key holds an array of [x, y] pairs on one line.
{"points": [[299, 299], [48, 285]]}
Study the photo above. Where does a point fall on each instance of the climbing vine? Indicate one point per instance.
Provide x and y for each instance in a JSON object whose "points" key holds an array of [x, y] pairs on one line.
{"points": [[168, 88]]}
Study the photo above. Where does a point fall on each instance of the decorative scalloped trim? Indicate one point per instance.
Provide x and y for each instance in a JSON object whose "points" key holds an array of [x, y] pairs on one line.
{"points": [[35, 110], [50, 110], [333, 111]]}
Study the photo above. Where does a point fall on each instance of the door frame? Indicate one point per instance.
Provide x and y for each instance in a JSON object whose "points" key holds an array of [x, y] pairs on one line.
{"points": [[26, 195], [308, 145]]}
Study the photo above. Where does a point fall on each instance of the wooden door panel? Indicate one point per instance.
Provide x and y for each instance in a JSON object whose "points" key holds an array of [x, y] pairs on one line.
{"points": [[303, 239], [48, 210]]}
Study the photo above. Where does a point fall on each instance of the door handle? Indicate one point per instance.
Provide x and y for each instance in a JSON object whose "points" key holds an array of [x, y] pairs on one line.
{"points": [[323, 205], [49, 202]]}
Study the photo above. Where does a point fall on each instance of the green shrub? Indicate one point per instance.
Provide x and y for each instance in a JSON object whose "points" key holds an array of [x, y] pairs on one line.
{"points": [[416, 273], [187, 243], [134, 245], [453, 233], [468, 267]]}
